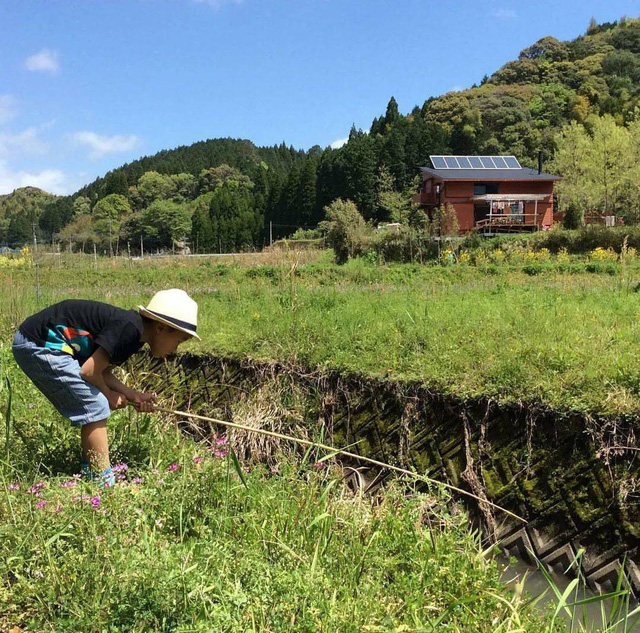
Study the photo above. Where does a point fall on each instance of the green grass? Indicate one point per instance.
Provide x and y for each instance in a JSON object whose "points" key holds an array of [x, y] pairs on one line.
{"points": [[536, 330], [181, 544], [193, 549]]}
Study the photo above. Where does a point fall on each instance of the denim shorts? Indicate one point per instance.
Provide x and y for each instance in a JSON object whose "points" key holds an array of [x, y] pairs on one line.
{"points": [[57, 375]]}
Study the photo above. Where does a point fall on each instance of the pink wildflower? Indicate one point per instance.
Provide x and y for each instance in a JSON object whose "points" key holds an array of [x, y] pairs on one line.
{"points": [[95, 502], [173, 467], [120, 468], [71, 483], [41, 504], [37, 489], [121, 478], [155, 471], [221, 441], [197, 459], [221, 452], [136, 480], [13, 486], [99, 537], [58, 509]]}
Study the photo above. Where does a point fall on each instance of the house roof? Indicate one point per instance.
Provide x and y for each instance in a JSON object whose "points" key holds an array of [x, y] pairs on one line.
{"points": [[484, 175]]}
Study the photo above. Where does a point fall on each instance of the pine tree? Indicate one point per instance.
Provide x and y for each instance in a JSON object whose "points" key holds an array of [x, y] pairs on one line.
{"points": [[307, 194]]}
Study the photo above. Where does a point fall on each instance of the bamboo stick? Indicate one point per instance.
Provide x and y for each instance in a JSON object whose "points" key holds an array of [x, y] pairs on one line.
{"points": [[335, 450]]}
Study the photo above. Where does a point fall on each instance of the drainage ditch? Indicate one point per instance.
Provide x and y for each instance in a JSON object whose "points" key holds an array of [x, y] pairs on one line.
{"points": [[575, 478]]}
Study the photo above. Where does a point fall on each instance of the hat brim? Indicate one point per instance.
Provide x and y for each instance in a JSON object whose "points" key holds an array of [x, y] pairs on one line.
{"points": [[156, 317]]}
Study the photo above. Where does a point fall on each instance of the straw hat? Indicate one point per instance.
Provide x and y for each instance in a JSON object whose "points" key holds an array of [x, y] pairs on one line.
{"points": [[174, 308]]}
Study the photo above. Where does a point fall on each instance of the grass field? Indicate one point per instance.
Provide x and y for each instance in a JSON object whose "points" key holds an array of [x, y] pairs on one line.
{"points": [[182, 543], [561, 332]]}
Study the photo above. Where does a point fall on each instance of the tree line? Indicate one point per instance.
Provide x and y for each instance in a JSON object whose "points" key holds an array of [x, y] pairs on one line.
{"points": [[539, 102]]}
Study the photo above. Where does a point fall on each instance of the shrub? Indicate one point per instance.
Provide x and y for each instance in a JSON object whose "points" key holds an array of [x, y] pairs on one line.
{"points": [[347, 232]]}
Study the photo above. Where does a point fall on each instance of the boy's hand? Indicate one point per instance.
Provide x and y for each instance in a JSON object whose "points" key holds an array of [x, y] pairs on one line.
{"points": [[143, 402], [117, 400]]}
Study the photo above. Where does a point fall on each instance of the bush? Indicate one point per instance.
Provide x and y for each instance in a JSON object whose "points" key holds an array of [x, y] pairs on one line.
{"points": [[347, 232]]}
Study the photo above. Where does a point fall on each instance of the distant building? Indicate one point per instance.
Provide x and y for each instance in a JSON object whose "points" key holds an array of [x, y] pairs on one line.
{"points": [[490, 194]]}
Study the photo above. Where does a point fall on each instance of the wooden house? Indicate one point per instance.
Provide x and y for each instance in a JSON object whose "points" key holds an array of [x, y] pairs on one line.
{"points": [[490, 194]]}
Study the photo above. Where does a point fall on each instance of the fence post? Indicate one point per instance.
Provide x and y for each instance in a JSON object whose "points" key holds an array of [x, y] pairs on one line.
{"points": [[95, 256]]}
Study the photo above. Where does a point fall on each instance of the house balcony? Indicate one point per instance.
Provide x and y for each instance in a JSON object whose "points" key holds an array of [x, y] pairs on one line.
{"points": [[425, 198]]}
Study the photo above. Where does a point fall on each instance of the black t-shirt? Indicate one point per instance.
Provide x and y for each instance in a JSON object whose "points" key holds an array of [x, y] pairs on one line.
{"points": [[78, 327]]}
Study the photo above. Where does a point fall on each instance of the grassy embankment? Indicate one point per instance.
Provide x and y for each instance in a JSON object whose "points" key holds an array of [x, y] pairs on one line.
{"points": [[190, 548], [559, 331]]}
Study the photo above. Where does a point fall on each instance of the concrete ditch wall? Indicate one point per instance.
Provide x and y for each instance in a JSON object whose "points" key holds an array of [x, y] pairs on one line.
{"points": [[554, 470]]}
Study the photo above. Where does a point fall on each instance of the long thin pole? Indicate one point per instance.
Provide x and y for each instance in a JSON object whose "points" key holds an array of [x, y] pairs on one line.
{"points": [[333, 449]]}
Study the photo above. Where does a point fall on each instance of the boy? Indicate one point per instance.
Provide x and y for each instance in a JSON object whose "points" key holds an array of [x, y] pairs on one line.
{"points": [[67, 351]]}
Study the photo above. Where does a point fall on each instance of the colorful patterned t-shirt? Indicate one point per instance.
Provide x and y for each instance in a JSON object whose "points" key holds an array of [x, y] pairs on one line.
{"points": [[77, 327]]}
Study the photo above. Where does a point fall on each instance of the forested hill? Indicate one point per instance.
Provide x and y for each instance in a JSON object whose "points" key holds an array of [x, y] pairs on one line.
{"points": [[19, 211], [221, 194], [192, 159], [520, 107]]}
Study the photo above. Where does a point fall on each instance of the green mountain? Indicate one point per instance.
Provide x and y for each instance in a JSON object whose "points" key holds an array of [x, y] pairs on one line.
{"points": [[225, 193], [19, 211]]}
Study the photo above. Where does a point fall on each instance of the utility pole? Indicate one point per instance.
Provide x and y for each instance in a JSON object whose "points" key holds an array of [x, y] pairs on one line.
{"points": [[141, 247], [110, 242], [35, 239]]}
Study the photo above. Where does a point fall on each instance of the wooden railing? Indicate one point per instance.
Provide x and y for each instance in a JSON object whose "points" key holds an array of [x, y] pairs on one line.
{"points": [[512, 220]]}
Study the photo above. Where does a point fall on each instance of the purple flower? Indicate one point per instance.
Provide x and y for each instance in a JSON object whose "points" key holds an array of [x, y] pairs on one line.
{"points": [[71, 483], [319, 465], [120, 468], [37, 489], [41, 504], [221, 441], [173, 467], [197, 459], [221, 452], [136, 480], [121, 478], [58, 509], [13, 486], [95, 502]]}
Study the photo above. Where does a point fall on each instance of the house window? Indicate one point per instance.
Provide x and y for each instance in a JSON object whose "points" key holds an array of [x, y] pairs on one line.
{"points": [[483, 188]]}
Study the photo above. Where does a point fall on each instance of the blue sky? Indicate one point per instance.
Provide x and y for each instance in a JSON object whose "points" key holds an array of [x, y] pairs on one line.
{"points": [[86, 85]]}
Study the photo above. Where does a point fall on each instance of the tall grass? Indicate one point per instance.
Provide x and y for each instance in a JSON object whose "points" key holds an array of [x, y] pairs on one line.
{"points": [[190, 540]]}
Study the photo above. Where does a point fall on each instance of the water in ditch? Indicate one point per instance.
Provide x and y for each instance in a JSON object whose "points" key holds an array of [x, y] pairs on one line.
{"points": [[588, 618]]}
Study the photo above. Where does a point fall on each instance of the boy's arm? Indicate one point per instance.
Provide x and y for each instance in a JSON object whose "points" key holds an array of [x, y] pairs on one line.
{"points": [[115, 385], [141, 401], [93, 371]]}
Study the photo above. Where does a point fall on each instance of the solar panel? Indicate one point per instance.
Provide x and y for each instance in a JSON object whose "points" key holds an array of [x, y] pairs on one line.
{"points": [[475, 162]]}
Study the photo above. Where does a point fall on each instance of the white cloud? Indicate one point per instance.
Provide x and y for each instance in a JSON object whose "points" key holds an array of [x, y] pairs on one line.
{"points": [[25, 142], [102, 145], [7, 108], [339, 143], [51, 180], [504, 14], [45, 60]]}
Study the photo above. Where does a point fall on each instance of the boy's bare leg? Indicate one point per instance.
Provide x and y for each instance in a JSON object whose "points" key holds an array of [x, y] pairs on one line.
{"points": [[95, 445]]}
